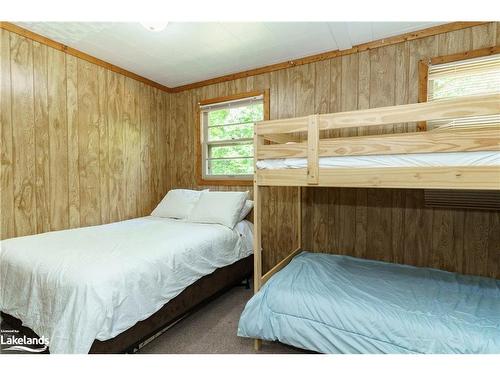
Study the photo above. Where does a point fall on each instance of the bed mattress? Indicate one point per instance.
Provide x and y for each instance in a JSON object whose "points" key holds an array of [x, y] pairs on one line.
{"points": [[78, 285], [444, 159], [339, 304]]}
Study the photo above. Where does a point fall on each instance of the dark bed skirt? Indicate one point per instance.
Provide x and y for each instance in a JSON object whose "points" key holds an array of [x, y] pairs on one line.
{"points": [[193, 296]]}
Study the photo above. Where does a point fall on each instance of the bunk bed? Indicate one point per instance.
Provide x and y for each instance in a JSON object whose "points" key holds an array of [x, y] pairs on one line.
{"points": [[291, 152]]}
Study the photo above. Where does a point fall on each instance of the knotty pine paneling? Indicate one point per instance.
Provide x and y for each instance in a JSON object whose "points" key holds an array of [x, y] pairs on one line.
{"points": [[386, 224], [80, 145]]}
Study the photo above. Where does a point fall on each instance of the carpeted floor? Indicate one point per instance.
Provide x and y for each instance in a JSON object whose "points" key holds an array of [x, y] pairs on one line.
{"points": [[212, 330]]}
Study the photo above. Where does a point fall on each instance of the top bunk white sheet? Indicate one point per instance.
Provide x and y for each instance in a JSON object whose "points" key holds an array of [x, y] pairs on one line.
{"points": [[74, 286], [443, 159]]}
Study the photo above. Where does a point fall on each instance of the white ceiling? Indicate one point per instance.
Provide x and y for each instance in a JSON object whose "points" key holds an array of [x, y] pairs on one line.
{"points": [[188, 52]]}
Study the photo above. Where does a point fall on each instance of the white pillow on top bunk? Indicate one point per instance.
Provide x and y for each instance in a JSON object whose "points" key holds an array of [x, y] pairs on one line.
{"points": [[177, 204], [219, 207]]}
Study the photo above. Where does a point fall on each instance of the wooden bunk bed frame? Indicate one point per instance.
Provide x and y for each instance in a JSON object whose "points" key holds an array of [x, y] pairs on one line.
{"points": [[284, 138]]}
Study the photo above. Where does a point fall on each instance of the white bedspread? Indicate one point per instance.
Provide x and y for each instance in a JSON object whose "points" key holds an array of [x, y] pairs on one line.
{"points": [[438, 159], [78, 285]]}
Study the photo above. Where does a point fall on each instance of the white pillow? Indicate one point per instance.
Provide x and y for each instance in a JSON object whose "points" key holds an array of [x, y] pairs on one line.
{"points": [[219, 207], [177, 204], [245, 210]]}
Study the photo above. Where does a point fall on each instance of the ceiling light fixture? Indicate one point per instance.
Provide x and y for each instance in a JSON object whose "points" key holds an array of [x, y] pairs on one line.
{"points": [[155, 26]]}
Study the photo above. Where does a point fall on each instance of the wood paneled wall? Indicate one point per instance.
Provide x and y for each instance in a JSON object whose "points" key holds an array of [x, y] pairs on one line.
{"points": [[80, 144], [392, 225]]}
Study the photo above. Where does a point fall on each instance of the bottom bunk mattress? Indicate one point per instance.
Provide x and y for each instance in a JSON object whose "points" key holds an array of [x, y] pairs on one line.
{"points": [[339, 304]]}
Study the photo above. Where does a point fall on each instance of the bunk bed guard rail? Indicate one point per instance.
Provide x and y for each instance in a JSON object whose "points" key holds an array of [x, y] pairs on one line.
{"points": [[285, 140]]}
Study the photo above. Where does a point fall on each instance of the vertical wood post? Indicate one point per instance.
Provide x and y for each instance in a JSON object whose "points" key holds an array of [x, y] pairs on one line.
{"points": [[313, 150], [257, 245], [299, 217]]}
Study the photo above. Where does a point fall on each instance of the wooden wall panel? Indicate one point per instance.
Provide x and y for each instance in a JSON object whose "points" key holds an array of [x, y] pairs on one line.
{"points": [[70, 141], [163, 104], [401, 78], [104, 169], [125, 140], [345, 215], [154, 180], [361, 209], [42, 144], [497, 31], [318, 214], [58, 140], [132, 123], [484, 35], [389, 224], [88, 144], [73, 152], [7, 225], [116, 149], [21, 52]]}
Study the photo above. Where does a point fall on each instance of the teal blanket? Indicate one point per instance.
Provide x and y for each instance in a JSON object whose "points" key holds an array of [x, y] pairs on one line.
{"points": [[339, 304]]}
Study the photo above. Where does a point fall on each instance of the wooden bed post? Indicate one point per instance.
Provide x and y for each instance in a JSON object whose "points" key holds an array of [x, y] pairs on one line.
{"points": [[299, 217], [257, 249], [257, 245], [313, 150]]}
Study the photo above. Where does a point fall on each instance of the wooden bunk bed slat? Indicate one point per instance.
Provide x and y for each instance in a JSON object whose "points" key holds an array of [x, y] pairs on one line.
{"points": [[281, 138], [485, 139], [297, 150], [477, 177], [481, 139], [480, 105], [279, 266]]}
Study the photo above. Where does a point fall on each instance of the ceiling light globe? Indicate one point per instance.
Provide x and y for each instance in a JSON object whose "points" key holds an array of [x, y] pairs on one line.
{"points": [[155, 26]]}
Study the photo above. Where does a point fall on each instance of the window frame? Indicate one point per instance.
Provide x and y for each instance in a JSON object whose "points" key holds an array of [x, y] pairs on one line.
{"points": [[423, 71], [223, 180]]}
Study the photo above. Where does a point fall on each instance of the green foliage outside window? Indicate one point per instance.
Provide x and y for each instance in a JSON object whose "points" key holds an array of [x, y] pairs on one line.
{"points": [[232, 130]]}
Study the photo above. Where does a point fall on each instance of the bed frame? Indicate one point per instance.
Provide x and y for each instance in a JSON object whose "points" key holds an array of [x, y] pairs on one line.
{"points": [[193, 297], [300, 137]]}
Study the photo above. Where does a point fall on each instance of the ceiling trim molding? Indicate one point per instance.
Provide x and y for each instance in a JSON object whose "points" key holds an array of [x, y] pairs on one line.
{"points": [[431, 31], [81, 55]]}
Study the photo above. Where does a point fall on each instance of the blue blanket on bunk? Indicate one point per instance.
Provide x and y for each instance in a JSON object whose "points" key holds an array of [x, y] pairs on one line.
{"points": [[339, 304]]}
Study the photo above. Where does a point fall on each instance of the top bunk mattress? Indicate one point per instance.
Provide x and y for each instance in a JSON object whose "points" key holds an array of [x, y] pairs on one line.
{"points": [[443, 159], [339, 304]]}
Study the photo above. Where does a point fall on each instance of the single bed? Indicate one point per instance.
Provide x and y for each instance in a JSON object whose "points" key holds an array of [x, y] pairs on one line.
{"points": [[87, 285], [339, 304]]}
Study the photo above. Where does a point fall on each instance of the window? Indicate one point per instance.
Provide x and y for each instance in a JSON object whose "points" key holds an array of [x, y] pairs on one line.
{"points": [[472, 76], [226, 137]]}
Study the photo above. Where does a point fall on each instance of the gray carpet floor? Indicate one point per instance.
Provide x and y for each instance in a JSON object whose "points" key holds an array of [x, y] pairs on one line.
{"points": [[212, 330]]}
